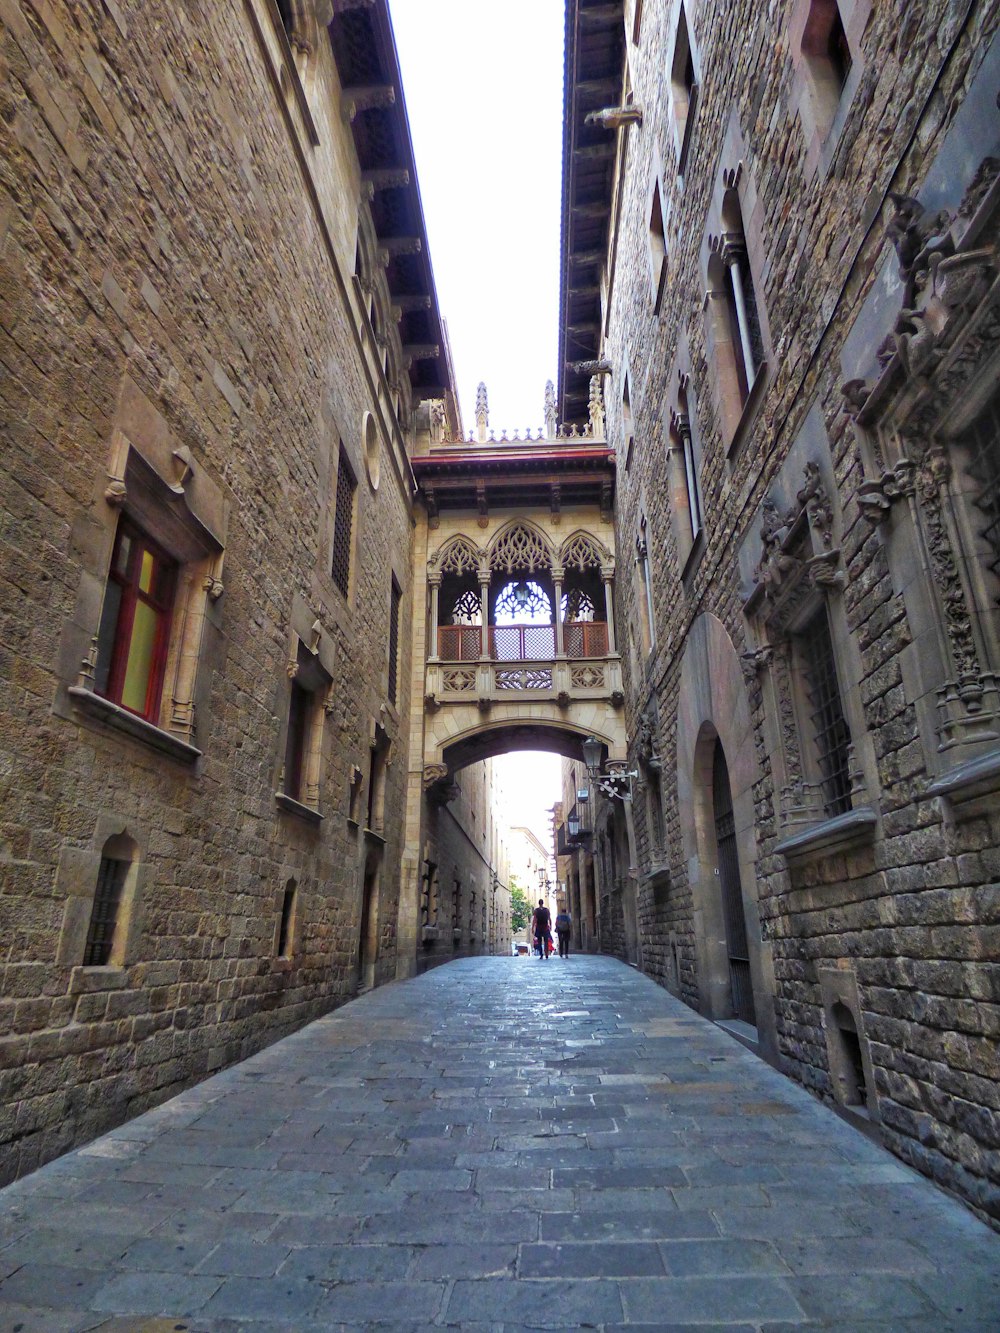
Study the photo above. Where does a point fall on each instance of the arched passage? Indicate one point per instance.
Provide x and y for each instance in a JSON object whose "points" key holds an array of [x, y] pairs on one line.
{"points": [[716, 760], [489, 739]]}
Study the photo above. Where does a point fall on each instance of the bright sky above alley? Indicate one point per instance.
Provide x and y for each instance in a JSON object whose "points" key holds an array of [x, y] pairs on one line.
{"points": [[483, 86]]}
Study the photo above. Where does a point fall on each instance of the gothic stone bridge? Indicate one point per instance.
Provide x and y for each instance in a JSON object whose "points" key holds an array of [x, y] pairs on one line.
{"points": [[520, 650]]}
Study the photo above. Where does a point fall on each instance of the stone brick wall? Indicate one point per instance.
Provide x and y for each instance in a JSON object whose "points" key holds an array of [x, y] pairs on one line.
{"points": [[176, 256], [910, 917]]}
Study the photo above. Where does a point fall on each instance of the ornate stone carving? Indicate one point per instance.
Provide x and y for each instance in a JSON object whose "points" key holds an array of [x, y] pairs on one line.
{"points": [[649, 753], [596, 407], [434, 773], [755, 661], [116, 492], [183, 467], [614, 117], [550, 410]]}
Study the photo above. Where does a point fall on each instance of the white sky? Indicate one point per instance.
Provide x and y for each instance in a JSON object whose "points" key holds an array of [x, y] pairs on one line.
{"points": [[483, 86]]}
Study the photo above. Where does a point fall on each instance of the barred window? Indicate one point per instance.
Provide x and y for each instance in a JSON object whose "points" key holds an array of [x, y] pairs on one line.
{"points": [[343, 525], [828, 726], [104, 916], [285, 926], [395, 596]]}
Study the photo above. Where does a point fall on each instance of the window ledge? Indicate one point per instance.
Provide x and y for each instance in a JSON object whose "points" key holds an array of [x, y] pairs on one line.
{"points": [[966, 784], [742, 428], [852, 829], [89, 980], [293, 807], [372, 836], [113, 715]]}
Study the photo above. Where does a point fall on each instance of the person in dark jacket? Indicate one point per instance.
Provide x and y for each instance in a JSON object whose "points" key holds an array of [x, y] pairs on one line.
{"points": [[564, 924], [541, 928]]}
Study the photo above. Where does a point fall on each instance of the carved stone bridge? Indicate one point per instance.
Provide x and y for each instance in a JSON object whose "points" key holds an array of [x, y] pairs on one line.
{"points": [[520, 650]]}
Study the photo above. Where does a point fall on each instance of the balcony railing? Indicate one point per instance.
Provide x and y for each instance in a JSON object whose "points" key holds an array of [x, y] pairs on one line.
{"points": [[522, 643]]}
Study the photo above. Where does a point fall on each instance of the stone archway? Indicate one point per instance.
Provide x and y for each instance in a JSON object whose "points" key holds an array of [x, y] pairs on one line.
{"points": [[713, 708]]}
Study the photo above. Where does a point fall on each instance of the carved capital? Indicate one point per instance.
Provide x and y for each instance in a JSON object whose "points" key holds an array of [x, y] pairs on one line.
{"points": [[755, 661], [116, 492]]}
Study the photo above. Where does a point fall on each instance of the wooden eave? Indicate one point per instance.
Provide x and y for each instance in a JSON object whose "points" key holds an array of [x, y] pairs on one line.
{"points": [[507, 477], [364, 49], [594, 64]]}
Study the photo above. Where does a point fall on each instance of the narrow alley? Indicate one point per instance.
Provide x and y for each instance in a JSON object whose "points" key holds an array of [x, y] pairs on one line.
{"points": [[498, 1143]]}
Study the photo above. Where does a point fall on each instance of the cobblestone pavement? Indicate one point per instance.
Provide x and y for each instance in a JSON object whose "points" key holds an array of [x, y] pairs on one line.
{"points": [[502, 1143]]}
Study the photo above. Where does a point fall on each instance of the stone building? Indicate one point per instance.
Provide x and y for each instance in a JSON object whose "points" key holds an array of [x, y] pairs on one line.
{"points": [[780, 250], [217, 326]]}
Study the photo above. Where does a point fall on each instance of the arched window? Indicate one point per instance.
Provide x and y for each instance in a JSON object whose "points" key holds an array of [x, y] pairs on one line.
{"points": [[683, 88], [824, 44], [741, 296], [106, 932]]}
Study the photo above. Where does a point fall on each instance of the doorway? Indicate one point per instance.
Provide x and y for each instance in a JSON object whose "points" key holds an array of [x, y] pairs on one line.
{"points": [[368, 933], [731, 889]]}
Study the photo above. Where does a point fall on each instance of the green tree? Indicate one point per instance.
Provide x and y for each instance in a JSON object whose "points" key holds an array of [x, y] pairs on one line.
{"points": [[520, 908]]}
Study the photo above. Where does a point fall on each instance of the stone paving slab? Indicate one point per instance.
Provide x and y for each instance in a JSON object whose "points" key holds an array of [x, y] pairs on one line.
{"points": [[493, 1146]]}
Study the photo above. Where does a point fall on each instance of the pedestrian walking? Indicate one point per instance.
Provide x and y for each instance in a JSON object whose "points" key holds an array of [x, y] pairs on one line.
{"points": [[564, 924], [541, 925]]}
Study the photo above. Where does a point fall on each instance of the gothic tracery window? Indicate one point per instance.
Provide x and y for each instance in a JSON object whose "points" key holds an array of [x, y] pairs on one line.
{"points": [[466, 609]]}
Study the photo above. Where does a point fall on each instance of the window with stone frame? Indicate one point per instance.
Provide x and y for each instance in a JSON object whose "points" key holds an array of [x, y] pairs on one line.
{"points": [[685, 459], [657, 246], [345, 504], [683, 88], [134, 633], [824, 45], [798, 574], [309, 702], [742, 314], [644, 590], [628, 429], [735, 319], [104, 916], [112, 906], [158, 580]]}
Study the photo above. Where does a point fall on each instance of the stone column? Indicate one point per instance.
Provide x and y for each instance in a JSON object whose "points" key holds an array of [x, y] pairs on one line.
{"points": [[484, 603], [557, 583], [609, 608], [733, 252], [434, 579]]}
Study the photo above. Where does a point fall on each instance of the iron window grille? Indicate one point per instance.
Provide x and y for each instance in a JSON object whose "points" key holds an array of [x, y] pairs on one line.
{"points": [[343, 525], [104, 915], [395, 596], [830, 734]]}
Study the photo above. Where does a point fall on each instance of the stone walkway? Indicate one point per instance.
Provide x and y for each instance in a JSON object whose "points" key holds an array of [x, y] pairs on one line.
{"points": [[502, 1143]]}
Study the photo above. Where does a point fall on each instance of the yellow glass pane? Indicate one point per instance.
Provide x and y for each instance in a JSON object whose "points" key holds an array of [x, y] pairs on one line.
{"points": [[146, 572], [140, 657]]}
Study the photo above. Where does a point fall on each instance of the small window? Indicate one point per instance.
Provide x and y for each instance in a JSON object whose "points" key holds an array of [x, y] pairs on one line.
{"points": [[825, 45], [684, 89], [343, 525], [395, 597], [743, 315], [309, 701], [827, 727], [286, 923], [287, 18], [104, 915], [657, 248], [645, 598], [135, 623]]}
